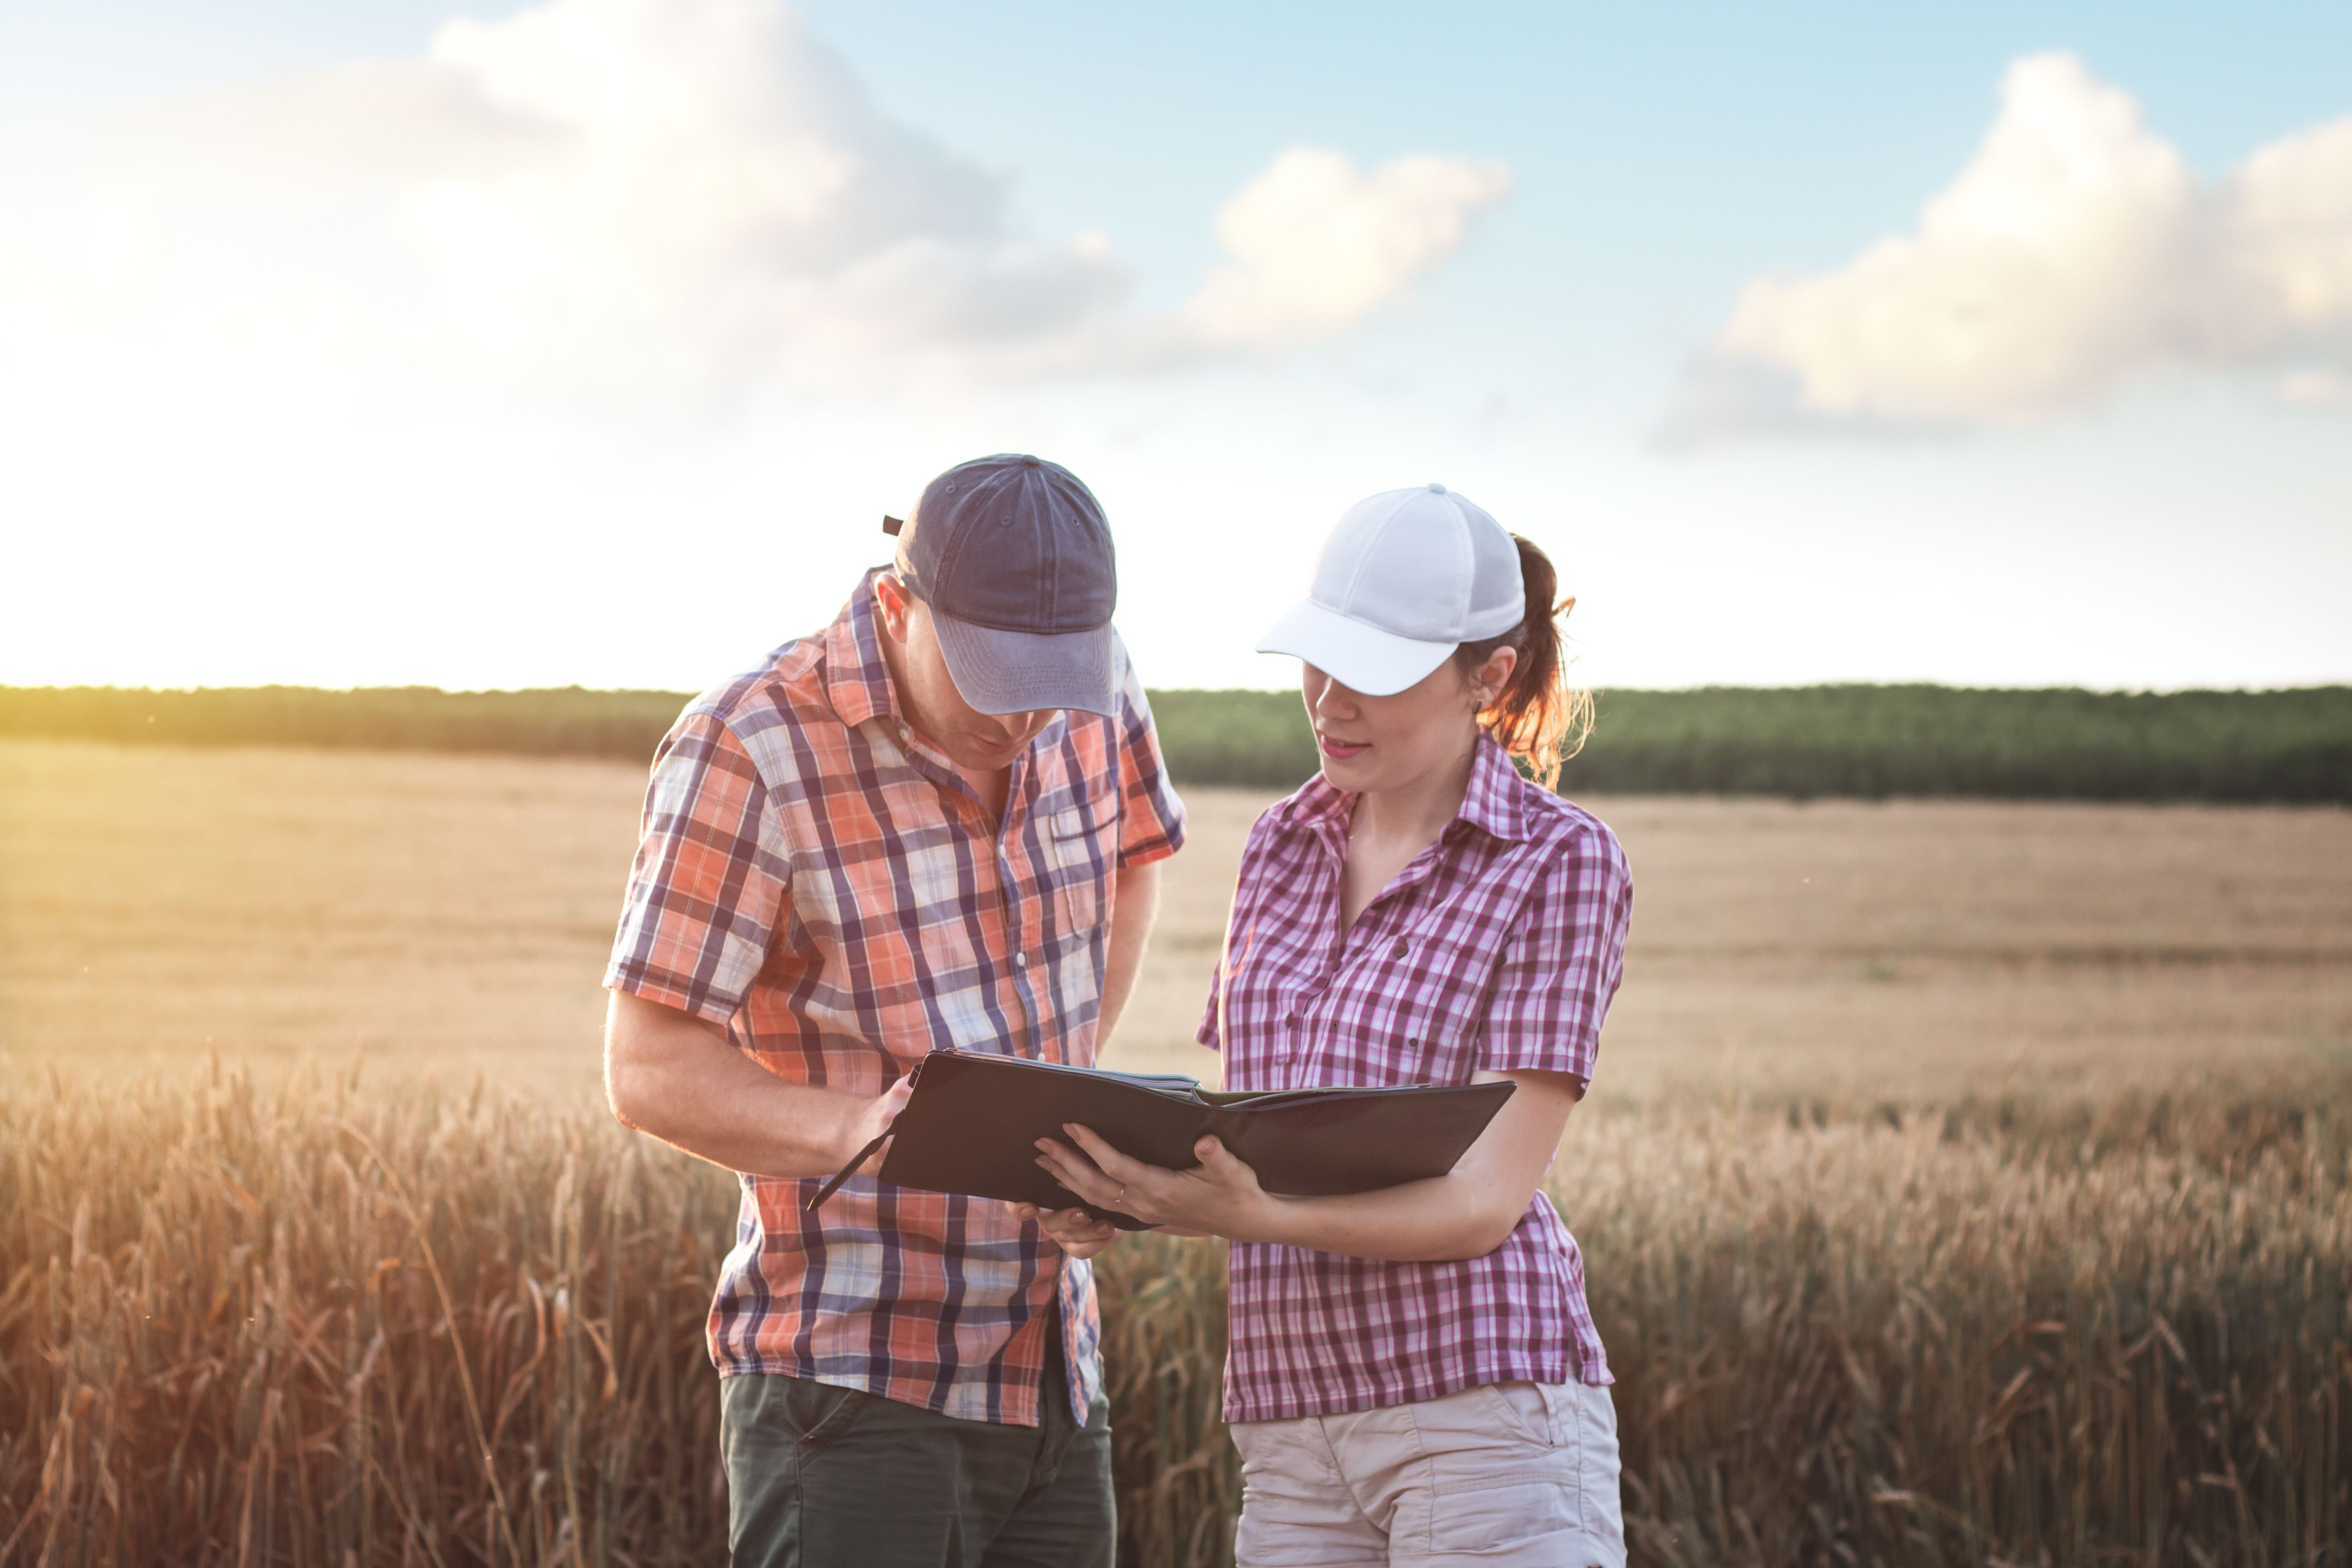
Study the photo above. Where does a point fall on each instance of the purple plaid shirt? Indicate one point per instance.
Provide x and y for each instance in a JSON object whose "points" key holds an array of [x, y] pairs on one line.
{"points": [[1497, 948]]}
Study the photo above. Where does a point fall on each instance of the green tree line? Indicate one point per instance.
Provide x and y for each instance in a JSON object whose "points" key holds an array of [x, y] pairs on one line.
{"points": [[1870, 741]]}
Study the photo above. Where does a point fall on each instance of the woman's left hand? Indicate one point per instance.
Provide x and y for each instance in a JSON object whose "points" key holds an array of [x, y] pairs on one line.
{"points": [[1220, 1196]]}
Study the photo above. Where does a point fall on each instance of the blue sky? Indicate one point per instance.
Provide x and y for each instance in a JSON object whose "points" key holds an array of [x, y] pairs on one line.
{"points": [[1740, 486]]}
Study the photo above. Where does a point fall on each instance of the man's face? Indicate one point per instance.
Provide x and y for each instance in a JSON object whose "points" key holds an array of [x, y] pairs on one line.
{"points": [[927, 694]]}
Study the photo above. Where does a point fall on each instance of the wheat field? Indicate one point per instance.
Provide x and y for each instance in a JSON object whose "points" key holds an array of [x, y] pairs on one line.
{"points": [[1963, 1184], [306, 1321]]}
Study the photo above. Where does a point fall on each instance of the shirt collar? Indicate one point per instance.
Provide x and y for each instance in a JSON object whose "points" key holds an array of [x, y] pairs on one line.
{"points": [[1493, 802], [1496, 801], [856, 676]]}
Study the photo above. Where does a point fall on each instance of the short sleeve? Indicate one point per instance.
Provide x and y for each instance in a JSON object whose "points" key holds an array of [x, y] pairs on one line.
{"points": [[1562, 966], [1208, 1033], [711, 883], [1151, 818]]}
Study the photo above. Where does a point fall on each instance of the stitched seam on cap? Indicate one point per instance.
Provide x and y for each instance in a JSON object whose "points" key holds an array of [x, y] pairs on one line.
{"points": [[1470, 576], [1048, 551], [1379, 530], [951, 550]]}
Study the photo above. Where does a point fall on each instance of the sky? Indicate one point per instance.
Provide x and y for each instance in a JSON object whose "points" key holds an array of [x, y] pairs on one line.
{"points": [[587, 342]]}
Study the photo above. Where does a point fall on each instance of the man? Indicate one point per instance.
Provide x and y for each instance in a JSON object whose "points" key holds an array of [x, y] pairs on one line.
{"points": [[937, 822]]}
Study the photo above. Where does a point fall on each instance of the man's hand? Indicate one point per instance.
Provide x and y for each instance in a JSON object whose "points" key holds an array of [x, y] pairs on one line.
{"points": [[873, 1121], [1075, 1231]]}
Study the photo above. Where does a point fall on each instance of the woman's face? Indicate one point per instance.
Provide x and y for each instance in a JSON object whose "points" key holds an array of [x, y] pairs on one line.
{"points": [[1395, 742]]}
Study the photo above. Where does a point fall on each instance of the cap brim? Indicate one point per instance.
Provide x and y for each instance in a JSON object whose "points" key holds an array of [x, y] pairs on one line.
{"points": [[1361, 657], [1028, 673]]}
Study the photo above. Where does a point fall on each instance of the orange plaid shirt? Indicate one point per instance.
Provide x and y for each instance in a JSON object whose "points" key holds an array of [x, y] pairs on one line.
{"points": [[816, 878]]}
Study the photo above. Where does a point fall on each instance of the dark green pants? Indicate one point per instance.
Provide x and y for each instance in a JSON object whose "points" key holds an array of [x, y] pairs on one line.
{"points": [[819, 1477]]}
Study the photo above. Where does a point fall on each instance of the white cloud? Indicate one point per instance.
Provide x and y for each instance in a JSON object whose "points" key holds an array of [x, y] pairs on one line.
{"points": [[1317, 243], [2074, 253], [2289, 211], [663, 203]]}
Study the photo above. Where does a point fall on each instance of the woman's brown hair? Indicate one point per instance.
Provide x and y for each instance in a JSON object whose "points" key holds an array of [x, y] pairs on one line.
{"points": [[1536, 717]]}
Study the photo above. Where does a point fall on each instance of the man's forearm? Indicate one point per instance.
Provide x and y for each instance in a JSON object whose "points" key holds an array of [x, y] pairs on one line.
{"points": [[678, 1078], [1135, 905]]}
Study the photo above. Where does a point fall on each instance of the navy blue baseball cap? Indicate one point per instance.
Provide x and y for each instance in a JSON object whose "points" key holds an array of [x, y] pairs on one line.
{"points": [[1014, 556]]}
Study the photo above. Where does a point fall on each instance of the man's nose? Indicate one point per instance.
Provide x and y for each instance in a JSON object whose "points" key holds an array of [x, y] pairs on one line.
{"points": [[1021, 726]]}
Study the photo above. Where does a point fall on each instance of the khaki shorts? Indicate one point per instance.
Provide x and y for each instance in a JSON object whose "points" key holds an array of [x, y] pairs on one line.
{"points": [[1512, 1473]]}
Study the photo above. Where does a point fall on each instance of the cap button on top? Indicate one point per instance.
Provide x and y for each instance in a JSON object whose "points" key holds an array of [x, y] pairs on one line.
{"points": [[1437, 489]]}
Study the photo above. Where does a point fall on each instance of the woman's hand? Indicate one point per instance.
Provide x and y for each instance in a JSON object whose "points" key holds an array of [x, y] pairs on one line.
{"points": [[1074, 1230], [1218, 1197]]}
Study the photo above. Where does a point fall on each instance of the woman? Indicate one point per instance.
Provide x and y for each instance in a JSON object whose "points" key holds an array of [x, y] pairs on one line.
{"points": [[1414, 1373]]}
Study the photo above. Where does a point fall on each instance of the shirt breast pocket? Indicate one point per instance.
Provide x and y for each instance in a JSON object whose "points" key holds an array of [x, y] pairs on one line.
{"points": [[1081, 851], [1434, 987]]}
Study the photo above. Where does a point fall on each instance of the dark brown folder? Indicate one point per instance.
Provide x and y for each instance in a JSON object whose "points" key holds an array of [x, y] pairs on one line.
{"points": [[972, 1123]]}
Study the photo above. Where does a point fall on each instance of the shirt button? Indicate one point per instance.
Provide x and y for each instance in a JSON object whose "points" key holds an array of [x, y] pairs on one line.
{"points": [[1291, 1020], [1019, 960], [1399, 949]]}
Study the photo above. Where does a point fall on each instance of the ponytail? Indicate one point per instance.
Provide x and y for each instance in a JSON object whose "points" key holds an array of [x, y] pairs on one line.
{"points": [[1536, 717]]}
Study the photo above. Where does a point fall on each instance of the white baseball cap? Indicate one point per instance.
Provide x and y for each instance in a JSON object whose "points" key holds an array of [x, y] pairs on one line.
{"points": [[1407, 577]]}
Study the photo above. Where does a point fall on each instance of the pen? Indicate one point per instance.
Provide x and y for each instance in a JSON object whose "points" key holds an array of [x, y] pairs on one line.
{"points": [[846, 1171]]}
